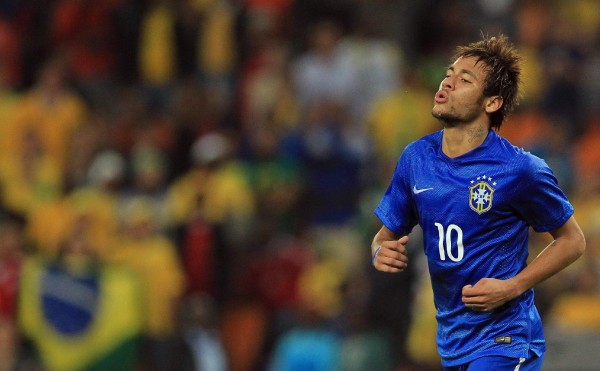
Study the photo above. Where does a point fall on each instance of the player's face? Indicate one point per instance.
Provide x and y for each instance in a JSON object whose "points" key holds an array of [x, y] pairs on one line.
{"points": [[460, 97]]}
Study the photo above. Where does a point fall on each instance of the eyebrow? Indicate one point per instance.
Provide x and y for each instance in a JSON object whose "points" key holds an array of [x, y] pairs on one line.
{"points": [[468, 72]]}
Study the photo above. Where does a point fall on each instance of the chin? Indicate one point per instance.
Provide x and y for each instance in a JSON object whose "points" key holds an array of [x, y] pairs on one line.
{"points": [[447, 120], [439, 114]]}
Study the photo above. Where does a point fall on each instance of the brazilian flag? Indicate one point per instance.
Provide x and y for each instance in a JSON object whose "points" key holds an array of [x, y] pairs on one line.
{"points": [[80, 319]]}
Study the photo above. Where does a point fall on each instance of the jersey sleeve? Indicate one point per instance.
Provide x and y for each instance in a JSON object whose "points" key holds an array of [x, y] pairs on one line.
{"points": [[395, 210], [539, 199]]}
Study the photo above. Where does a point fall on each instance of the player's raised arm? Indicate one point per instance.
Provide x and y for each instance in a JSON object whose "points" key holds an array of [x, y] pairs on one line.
{"points": [[388, 251]]}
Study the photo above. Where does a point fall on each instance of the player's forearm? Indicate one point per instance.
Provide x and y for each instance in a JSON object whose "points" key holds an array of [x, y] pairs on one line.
{"points": [[558, 255]]}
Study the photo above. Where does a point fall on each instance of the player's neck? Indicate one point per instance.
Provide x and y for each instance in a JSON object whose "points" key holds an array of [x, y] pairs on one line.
{"points": [[458, 140]]}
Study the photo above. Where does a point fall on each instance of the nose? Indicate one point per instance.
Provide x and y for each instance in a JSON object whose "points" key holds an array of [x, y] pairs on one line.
{"points": [[448, 83]]}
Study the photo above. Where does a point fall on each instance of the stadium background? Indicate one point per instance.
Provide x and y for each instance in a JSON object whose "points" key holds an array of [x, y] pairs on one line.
{"points": [[189, 184]]}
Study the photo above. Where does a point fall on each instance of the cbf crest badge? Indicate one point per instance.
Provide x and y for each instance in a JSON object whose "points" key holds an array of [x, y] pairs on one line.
{"points": [[481, 194]]}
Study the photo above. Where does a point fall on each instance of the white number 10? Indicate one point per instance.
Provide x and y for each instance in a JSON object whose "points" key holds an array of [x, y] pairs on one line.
{"points": [[447, 238]]}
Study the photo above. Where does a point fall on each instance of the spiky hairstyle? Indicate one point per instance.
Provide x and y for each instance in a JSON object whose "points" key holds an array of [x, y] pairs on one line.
{"points": [[503, 66]]}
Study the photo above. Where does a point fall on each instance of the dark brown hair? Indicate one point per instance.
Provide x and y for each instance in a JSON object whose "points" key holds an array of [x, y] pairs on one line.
{"points": [[503, 66]]}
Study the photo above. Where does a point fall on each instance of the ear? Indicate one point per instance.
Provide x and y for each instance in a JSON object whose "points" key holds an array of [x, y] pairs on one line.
{"points": [[493, 104]]}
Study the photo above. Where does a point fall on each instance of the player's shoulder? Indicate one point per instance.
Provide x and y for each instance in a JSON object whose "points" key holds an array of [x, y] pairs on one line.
{"points": [[421, 150], [518, 158], [432, 140]]}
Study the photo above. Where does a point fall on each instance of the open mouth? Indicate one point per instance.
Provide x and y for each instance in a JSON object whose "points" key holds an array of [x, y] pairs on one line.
{"points": [[441, 96]]}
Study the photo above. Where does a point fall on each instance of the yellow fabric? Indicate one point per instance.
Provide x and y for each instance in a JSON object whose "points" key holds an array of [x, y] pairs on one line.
{"points": [[400, 118], [421, 342], [48, 225], [155, 261], [157, 45], [583, 16], [532, 75], [320, 287], [117, 319], [9, 102], [51, 222], [54, 123], [222, 193], [100, 210], [587, 213], [25, 190], [576, 312], [216, 46]]}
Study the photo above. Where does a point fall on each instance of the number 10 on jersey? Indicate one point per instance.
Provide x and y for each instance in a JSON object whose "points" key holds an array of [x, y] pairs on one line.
{"points": [[445, 242]]}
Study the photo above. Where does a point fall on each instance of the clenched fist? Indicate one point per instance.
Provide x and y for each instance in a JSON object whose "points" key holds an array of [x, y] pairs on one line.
{"points": [[391, 256]]}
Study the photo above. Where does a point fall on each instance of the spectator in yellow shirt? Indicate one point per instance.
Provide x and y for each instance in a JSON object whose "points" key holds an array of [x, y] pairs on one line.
{"points": [[154, 258], [52, 109]]}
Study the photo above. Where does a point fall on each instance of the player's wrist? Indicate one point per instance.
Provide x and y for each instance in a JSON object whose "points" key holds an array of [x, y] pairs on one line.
{"points": [[516, 287], [376, 250]]}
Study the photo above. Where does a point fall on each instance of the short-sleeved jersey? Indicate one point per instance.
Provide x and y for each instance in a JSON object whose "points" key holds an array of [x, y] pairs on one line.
{"points": [[475, 211]]}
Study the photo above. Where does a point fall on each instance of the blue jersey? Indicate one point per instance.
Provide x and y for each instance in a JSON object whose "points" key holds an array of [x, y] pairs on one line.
{"points": [[475, 211]]}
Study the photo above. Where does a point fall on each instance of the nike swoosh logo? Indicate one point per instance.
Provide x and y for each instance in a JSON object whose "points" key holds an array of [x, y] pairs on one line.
{"points": [[417, 191]]}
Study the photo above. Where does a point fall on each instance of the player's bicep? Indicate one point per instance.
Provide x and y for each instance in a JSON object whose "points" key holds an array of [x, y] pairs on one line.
{"points": [[571, 232]]}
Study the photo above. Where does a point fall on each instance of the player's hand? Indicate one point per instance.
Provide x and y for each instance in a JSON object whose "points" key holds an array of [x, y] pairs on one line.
{"points": [[488, 294], [391, 256]]}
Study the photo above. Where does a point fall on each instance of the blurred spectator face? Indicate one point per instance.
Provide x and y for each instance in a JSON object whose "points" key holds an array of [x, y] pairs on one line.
{"points": [[149, 169], [139, 220], [325, 37], [52, 77], [76, 246], [76, 252], [11, 239]]}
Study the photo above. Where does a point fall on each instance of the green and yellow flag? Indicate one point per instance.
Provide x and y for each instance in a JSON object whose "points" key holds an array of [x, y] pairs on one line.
{"points": [[84, 319]]}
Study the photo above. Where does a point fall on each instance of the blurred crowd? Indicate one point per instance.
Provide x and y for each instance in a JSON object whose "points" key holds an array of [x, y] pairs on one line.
{"points": [[190, 184]]}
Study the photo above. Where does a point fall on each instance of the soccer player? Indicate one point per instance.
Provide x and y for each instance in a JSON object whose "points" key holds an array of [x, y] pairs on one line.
{"points": [[475, 196]]}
